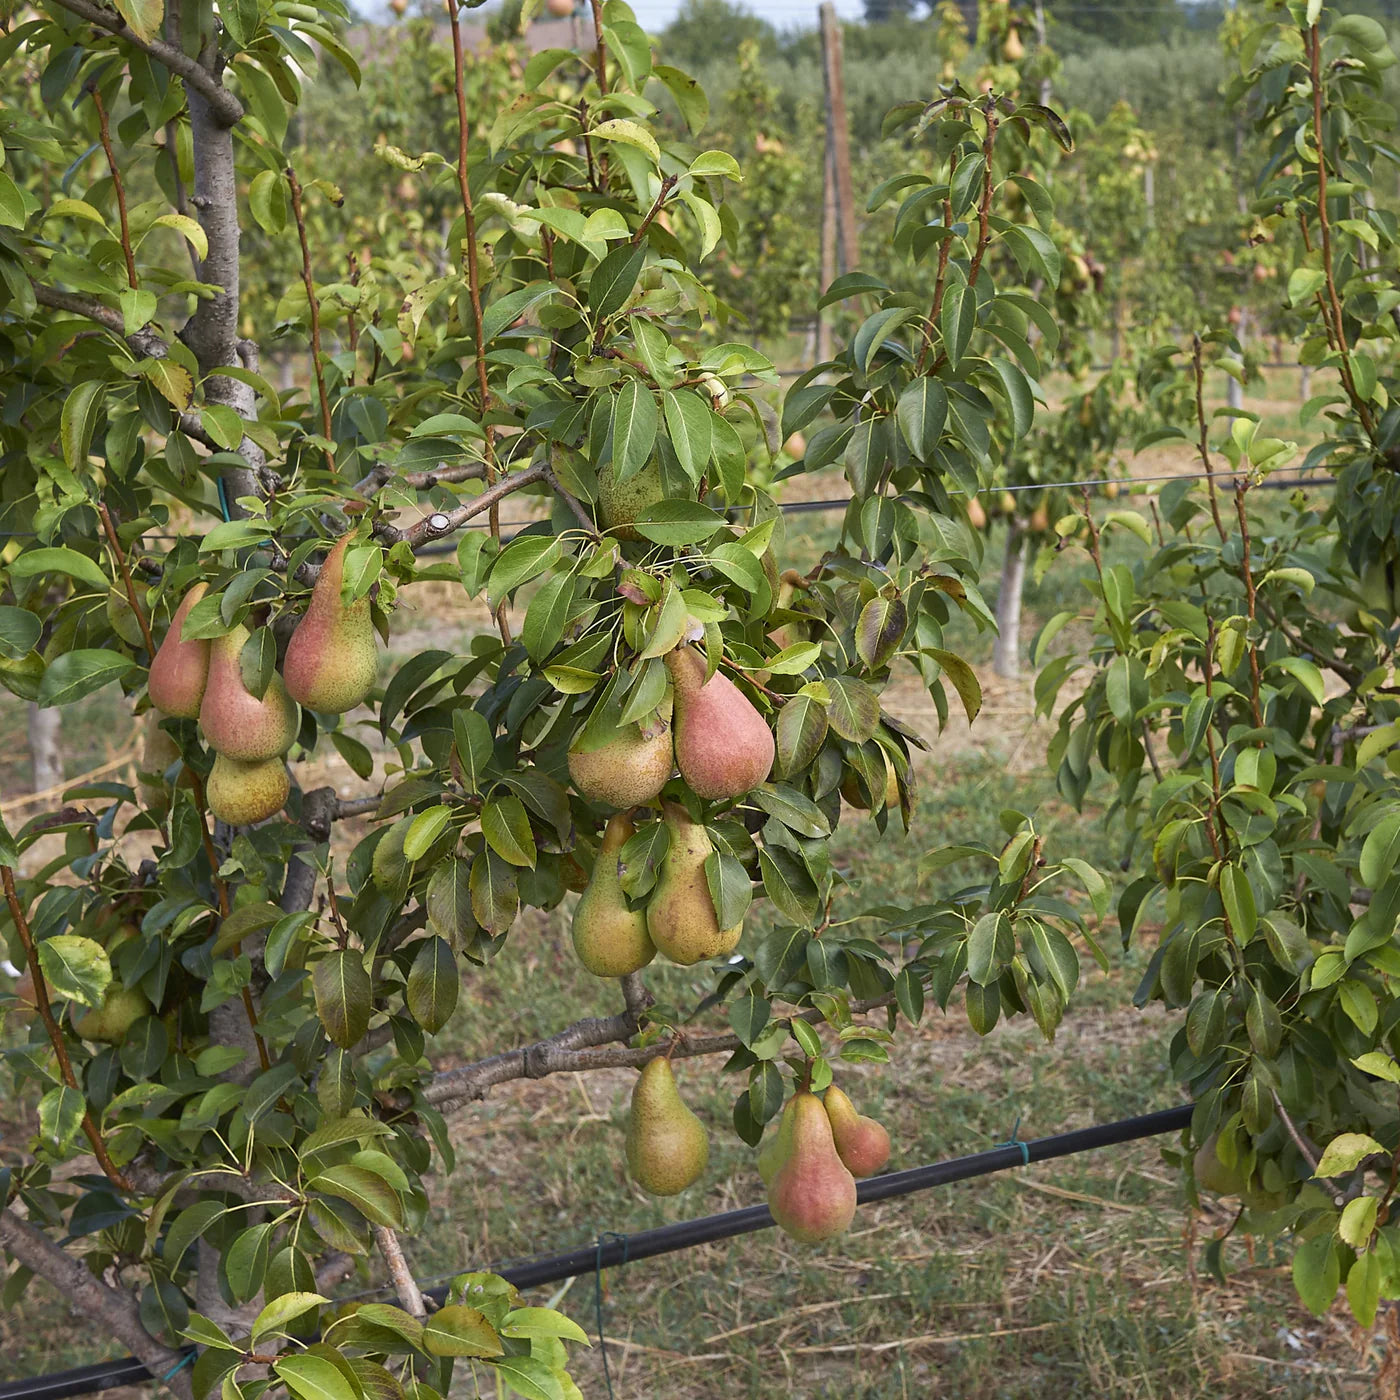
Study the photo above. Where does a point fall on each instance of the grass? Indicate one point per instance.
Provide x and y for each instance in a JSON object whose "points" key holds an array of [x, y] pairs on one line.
{"points": [[1071, 1278]]}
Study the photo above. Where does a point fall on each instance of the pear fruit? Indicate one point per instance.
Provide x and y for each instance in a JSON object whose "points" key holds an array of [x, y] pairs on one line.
{"points": [[620, 503], [812, 1194], [724, 747], [775, 1146], [630, 770], [1212, 1173], [610, 939], [120, 1010], [861, 1143], [240, 794], [667, 1145], [976, 514], [235, 722], [681, 915], [180, 669], [331, 660]]}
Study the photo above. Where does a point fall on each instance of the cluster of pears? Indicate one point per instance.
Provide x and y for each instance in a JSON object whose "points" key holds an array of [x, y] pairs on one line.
{"points": [[723, 748], [811, 1162], [329, 667]]}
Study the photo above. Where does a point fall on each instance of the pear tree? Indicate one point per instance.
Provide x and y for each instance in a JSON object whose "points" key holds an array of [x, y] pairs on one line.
{"points": [[532, 397]]}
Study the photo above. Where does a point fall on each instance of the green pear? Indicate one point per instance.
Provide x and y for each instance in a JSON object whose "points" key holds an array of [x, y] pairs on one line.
{"points": [[862, 1143], [620, 503], [180, 669], [631, 770], [240, 794], [120, 1010], [667, 1145], [332, 661], [724, 747], [681, 915], [235, 722], [610, 939], [812, 1194]]}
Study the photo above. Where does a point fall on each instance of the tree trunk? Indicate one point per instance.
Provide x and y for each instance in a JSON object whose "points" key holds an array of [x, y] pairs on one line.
{"points": [[1305, 382], [45, 752], [1006, 656]]}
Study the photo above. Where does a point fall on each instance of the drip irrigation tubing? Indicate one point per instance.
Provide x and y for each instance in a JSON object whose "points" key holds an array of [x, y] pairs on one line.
{"points": [[613, 1250]]}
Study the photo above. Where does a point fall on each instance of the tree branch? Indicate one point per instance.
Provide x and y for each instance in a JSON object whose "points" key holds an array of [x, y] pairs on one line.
{"points": [[405, 1285], [435, 526], [382, 473], [222, 103], [318, 810], [95, 1300], [144, 342]]}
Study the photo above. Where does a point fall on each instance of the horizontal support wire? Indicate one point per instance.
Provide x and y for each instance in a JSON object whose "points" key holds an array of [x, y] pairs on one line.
{"points": [[615, 1250]]}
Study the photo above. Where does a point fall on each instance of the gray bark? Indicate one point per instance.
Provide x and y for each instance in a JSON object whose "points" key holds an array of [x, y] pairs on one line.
{"points": [[1006, 655], [45, 751]]}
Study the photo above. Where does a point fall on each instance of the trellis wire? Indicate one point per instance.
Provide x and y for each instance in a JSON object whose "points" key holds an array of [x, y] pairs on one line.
{"points": [[613, 1250]]}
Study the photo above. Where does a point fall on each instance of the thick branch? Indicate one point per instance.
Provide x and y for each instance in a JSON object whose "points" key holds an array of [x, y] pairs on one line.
{"points": [[381, 474], [586, 1045], [144, 342], [222, 103], [92, 1298], [405, 1285], [434, 527]]}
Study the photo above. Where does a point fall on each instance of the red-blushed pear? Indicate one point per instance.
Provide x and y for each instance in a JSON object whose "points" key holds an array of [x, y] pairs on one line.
{"points": [[681, 914], [631, 770], [332, 660], [724, 747], [812, 1194], [180, 669], [610, 939], [667, 1145], [240, 794], [861, 1143], [775, 1145], [235, 722]]}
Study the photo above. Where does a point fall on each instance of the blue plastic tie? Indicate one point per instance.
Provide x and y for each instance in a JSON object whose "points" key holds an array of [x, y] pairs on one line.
{"points": [[178, 1367], [598, 1299], [1015, 1141]]}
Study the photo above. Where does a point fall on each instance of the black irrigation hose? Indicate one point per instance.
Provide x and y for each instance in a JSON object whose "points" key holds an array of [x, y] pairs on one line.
{"points": [[615, 1250]]}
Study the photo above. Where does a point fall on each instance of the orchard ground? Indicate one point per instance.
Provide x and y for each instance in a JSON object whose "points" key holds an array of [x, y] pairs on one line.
{"points": [[1077, 1277]]}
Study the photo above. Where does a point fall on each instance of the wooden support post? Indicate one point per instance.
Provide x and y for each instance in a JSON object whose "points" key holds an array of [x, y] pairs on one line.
{"points": [[840, 251]]}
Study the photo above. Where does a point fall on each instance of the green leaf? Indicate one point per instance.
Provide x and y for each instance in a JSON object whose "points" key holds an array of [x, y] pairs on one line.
{"points": [[1346, 1152], [427, 827], [75, 674], [19, 630], [688, 94], [1019, 395], [530, 1377], [1379, 852], [1238, 897], [801, 731], [143, 16], [716, 163], [61, 1116], [629, 133], [433, 984], [1035, 252], [522, 560], [1305, 673], [957, 320], [633, 428], [1364, 1285], [547, 616], [963, 679], [921, 412], [76, 967], [471, 737], [457, 1330], [854, 709], [749, 1016], [1358, 1221], [343, 996], [688, 423], [542, 1322], [1316, 1274], [731, 890], [794, 809], [613, 279], [369, 1193], [311, 1377], [875, 331], [11, 203], [1094, 884], [57, 560], [495, 892], [678, 522], [78, 421], [880, 629], [282, 1310], [506, 826]]}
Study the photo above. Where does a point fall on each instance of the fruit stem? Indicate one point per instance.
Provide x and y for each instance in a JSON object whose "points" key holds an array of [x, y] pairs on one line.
{"points": [[45, 1009]]}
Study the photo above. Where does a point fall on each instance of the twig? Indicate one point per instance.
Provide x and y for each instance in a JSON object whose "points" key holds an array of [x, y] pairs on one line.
{"points": [[1310, 1153], [435, 526], [314, 312], [222, 103], [1202, 443], [573, 504], [142, 621], [1256, 709], [104, 133], [667, 185], [45, 1010], [382, 473], [144, 342]]}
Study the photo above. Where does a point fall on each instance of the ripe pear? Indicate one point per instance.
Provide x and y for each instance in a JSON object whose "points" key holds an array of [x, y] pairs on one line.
{"points": [[240, 794], [235, 722], [724, 747], [681, 915], [667, 1145], [620, 503], [331, 660], [180, 669], [812, 1194], [121, 1008], [633, 768], [775, 1146], [861, 1143], [610, 939], [1213, 1174]]}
